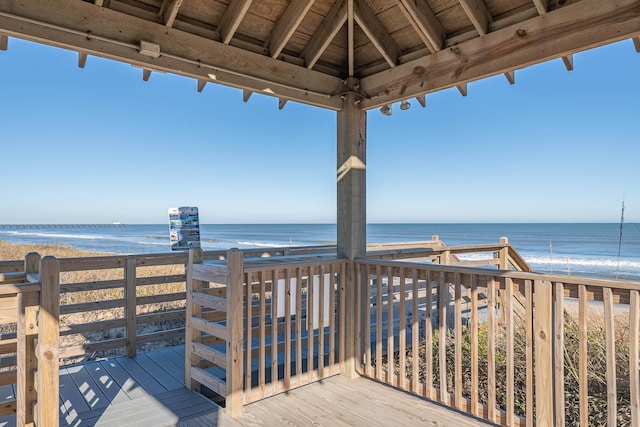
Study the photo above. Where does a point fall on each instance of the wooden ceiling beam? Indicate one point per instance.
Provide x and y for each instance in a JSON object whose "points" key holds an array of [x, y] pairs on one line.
{"points": [[231, 19], [568, 62], [169, 11], [246, 94], [422, 100], [102, 32], [478, 14], [424, 22], [4, 42], [376, 32], [328, 29], [562, 32], [201, 84], [287, 25], [542, 6], [636, 43], [146, 73]]}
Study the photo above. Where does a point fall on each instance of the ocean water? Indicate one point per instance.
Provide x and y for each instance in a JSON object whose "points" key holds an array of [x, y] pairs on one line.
{"points": [[577, 249]]}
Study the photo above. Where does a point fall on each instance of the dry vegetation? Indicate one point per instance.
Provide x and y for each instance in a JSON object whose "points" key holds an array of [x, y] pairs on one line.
{"points": [[91, 277], [596, 363]]}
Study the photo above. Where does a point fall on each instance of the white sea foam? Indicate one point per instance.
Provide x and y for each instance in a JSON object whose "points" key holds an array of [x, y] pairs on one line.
{"points": [[263, 245], [57, 235], [587, 262]]}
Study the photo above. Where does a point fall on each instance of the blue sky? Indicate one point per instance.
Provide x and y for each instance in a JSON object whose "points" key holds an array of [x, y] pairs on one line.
{"points": [[99, 145]]}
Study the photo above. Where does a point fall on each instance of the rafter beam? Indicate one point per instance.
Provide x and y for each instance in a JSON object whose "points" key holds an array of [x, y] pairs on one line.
{"points": [[146, 73], [424, 22], [82, 59], [542, 6], [422, 100], [201, 84], [570, 29], [636, 43], [376, 32], [328, 29], [281, 103], [246, 94], [462, 88], [478, 14], [115, 35], [4, 42], [287, 25], [568, 62], [169, 11], [511, 76], [231, 19]]}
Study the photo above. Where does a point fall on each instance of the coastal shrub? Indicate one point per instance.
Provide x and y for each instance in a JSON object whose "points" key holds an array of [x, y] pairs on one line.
{"points": [[596, 365]]}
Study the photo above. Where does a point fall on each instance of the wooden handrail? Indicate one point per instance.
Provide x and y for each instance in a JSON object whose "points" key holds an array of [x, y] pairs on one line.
{"points": [[547, 303]]}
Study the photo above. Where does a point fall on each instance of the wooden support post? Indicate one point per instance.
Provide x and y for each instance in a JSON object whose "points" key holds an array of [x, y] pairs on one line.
{"points": [[351, 215], [235, 273], [131, 306], [27, 331], [543, 354], [4, 42], [191, 334], [48, 376]]}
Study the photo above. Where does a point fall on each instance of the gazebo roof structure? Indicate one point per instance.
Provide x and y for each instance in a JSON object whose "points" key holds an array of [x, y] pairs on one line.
{"points": [[383, 51]]}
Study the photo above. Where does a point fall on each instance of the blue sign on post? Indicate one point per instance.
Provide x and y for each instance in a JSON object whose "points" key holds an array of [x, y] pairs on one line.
{"points": [[184, 228]]}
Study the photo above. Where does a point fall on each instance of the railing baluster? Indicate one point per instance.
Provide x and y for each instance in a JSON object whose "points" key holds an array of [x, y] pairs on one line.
{"points": [[298, 326], [583, 358], [287, 328], [342, 324], [491, 348], [428, 327], [457, 384], [558, 352], [274, 330], [248, 301], [321, 315], [390, 332], [474, 346], [610, 341], [510, 350], [415, 332], [528, 326], [443, 302], [263, 322], [634, 358], [332, 313], [379, 323], [367, 322], [402, 359], [310, 320]]}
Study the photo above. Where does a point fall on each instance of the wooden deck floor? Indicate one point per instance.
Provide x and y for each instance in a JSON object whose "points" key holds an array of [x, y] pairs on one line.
{"points": [[338, 401], [147, 391]]}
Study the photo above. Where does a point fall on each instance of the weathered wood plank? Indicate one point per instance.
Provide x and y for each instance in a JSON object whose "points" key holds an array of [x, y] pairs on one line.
{"points": [[610, 344]]}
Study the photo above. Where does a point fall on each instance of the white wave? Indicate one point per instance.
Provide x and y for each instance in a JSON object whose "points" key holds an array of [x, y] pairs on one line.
{"points": [[153, 243], [57, 235], [587, 262], [263, 245]]}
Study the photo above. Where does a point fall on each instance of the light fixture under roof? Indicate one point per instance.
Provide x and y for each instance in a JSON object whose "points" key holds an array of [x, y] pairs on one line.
{"points": [[404, 105], [386, 110]]}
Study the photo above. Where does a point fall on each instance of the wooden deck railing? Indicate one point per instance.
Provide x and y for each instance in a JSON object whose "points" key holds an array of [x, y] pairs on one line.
{"points": [[511, 362], [268, 328], [30, 300]]}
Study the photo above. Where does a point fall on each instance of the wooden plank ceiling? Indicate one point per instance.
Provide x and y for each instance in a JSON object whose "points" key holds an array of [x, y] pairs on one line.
{"points": [[316, 51]]}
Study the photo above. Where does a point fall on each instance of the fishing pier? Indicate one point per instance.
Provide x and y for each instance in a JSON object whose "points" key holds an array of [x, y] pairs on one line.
{"points": [[57, 226]]}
